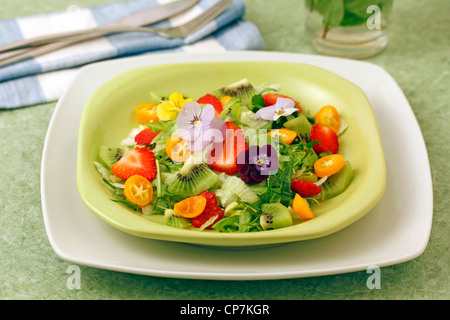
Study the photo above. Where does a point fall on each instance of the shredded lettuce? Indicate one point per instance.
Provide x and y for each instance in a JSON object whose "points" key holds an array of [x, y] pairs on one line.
{"points": [[155, 98], [167, 129], [248, 121], [343, 127], [259, 189], [208, 222], [241, 221], [233, 189], [108, 176], [129, 140]]}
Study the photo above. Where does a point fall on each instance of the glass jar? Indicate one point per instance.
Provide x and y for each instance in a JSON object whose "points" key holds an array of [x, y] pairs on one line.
{"points": [[348, 28]]}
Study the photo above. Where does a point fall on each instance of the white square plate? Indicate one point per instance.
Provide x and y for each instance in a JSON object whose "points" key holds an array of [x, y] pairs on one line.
{"points": [[395, 231]]}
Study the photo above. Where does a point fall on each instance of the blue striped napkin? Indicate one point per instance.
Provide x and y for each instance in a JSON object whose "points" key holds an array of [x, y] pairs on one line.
{"points": [[44, 78]]}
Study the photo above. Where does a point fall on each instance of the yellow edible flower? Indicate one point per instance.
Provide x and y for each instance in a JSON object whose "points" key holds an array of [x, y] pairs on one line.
{"points": [[169, 109]]}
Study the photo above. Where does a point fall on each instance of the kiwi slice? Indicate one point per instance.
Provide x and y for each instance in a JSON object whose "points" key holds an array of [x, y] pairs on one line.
{"points": [[338, 182], [174, 220], [191, 180], [307, 176], [243, 90], [110, 155], [301, 125], [231, 109], [275, 216]]}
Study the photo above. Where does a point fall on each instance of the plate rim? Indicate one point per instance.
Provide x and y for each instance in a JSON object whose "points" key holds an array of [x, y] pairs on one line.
{"points": [[228, 55]]}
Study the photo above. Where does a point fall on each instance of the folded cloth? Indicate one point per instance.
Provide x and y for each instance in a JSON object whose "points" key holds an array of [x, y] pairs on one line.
{"points": [[43, 79]]}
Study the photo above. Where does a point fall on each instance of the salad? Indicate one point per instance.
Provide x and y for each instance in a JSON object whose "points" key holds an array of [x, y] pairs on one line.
{"points": [[238, 159]]}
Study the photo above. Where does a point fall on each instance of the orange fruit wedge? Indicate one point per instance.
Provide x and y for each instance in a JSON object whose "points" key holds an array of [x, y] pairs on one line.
{"points": [[190, 207], [328, 117], [329, 165], [224, 100], [287, 135], [301, 208], [177, 148], [146, 113]]}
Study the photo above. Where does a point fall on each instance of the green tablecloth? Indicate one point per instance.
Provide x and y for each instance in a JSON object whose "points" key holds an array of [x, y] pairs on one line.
{"points": [[417, 58]]}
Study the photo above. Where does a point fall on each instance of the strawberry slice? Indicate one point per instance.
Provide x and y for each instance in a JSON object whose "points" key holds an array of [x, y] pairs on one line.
{"points": [[212, 100], [327, 137], [212, 209], [224, 154], [145, 137], [305, 188], [271, 98], [137, 161], [232, 125]]}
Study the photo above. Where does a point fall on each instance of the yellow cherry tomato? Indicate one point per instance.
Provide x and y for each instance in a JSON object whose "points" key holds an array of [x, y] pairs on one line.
{"points": [[177, 148], [329, 165], [301, 208], [138, 190], [190, 207], [286, 135], [146, 113], [328, 117]]}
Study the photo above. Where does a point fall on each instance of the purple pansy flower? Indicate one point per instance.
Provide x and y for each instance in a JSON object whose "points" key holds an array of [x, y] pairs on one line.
{"points": [[283, 107], [256, 163]]}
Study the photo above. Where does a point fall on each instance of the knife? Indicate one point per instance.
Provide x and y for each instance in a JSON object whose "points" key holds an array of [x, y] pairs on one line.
{"points": [[137, 19], [152, 15]]}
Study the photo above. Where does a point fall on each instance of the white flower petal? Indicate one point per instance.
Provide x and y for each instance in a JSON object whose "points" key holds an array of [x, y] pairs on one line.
{"points": [[190, 111], [285, 103], [207, 114], [267, 113], [288, 111]]}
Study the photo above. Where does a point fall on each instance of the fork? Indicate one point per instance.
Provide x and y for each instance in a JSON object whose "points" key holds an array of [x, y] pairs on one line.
{"points": [[180, 31]]}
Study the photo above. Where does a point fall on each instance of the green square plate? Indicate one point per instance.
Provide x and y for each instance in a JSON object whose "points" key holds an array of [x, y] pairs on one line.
{"points": [[108, 116]]}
